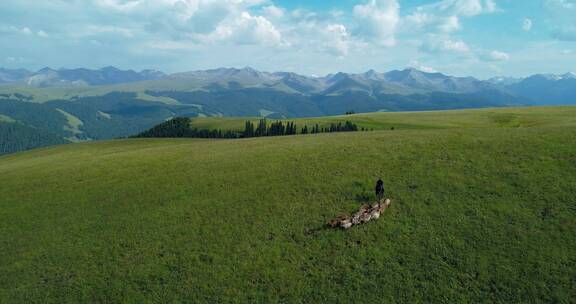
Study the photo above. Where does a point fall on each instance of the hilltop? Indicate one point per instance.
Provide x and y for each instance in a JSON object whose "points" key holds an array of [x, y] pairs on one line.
{"points": [[454, 119], [483, 212]]}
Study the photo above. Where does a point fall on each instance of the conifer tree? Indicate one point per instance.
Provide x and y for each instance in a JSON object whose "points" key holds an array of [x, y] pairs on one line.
{"points": [[262, 129], [248, 129]]}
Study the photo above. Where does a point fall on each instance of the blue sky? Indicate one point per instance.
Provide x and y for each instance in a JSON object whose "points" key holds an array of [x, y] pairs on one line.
{"points": [[481, 38]]}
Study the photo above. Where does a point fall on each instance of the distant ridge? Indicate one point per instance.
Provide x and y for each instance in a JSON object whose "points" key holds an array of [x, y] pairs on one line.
{"points": [[48, 77], [403, 82], [540, 89]]}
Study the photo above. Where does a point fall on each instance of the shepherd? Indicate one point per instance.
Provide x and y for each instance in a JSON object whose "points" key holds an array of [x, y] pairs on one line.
{"points": [[379, 189]]}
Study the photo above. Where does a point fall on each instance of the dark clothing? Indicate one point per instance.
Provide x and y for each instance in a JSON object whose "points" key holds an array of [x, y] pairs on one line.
{"points": [[379, 189]]}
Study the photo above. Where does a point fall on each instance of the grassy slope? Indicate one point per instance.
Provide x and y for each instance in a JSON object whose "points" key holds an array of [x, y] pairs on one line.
{"points": [[479, 215], [140, 87], [482, 118], [42, 95]]}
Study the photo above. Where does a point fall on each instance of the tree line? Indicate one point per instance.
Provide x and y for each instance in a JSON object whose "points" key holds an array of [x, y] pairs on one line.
{"points": [[180, 127], [15, 137]]}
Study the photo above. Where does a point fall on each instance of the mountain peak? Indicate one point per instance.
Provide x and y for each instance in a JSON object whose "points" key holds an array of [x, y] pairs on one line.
{"points": [[549, 77], [337, 77], [110, 68], [569, 75], [249, 69], [46, 70], [413, 70], [371, 74]]}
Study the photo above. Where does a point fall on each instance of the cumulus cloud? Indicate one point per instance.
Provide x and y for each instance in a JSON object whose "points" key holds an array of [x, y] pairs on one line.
{"points": [[250, 29], [322, 36], [377, 21], [445, 15], [179, 34], [337, 39], [199, 21], [428, 21]]}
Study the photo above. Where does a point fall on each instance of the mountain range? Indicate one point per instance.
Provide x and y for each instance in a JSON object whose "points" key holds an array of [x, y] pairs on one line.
{"points": [[82, 104], [539, 89], [48, 77], [536, 89]]}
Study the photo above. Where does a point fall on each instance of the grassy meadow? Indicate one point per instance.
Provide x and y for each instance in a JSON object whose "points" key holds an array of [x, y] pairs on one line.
{"points": [[483, 211], [481, 118]]}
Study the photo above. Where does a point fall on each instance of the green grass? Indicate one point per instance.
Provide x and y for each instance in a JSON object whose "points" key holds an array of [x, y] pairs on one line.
{"points": [[481, 215], [8, 119], [41, 95], [483, 118], [73, 126]]}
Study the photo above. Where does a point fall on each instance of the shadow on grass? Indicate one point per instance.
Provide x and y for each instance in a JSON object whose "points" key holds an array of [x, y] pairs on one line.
{"points": [[315, 231]]}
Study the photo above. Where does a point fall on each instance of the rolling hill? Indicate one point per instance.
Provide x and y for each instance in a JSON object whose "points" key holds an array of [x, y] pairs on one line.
{"points": [[482, 212], [478, 118]]}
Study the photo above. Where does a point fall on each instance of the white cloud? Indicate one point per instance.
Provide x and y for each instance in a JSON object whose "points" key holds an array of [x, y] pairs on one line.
{"points": [[527, 24], [337, 39], [431, 22], [465, 7], [25, 31], [183, 34], [494, 56], [198, 21], [417, 65], [42, 34], [445, 15], [336, 13], [301, 14], [11, 59], [490, 6], [322, 36], [440, 44], [377, 21], [274, 12], [250, 29]]}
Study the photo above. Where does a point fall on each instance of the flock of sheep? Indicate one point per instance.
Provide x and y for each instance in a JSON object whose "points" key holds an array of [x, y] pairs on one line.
{"points": [[365, 214]]}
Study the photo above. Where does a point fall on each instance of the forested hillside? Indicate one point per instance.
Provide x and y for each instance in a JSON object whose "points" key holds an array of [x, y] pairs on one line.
{"points": [[16, 137]]}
